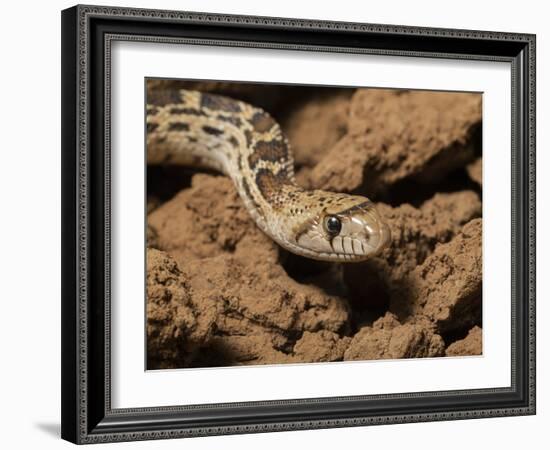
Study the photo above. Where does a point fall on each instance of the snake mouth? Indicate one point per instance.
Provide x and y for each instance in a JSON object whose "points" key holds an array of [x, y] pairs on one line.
{"points": [[370, 244], [347, 249]]}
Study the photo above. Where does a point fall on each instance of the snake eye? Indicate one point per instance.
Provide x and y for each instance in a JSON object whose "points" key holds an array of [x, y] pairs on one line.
{"points": [[332, 225]]}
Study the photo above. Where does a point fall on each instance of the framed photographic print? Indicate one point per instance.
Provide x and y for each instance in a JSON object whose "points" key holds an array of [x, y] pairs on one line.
{"points": [[282, 224]]}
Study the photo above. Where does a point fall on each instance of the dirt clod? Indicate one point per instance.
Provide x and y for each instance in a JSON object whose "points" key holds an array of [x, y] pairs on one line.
{"points": [[474, 170], [395, 135], [175, 331], [316, 125], [388, 339], [470, 345]]}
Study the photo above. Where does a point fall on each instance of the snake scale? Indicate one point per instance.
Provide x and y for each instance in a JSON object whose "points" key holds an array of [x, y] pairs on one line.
{"points": [[245, 143]]}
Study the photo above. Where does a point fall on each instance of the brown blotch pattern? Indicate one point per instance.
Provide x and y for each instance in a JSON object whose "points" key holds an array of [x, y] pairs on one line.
{"points": [[188, 111], [274, 151], [152, 110], [152, 127], [283, 175], [231, 119], [216, 102], [262, 122], [212, 130], [270, 185], [161, 97], [233, 141], [178, 126]]}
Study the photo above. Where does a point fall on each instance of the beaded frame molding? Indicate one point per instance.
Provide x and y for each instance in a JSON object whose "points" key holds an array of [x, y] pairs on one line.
{"points": [[87, 34]]}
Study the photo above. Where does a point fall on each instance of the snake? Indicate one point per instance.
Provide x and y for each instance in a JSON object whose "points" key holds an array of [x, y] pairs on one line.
{"points": [[209, 131]]}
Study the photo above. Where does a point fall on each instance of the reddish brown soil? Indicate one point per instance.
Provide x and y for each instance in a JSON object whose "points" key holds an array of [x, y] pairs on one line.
{"points": [[470, 345], [221, 293]]}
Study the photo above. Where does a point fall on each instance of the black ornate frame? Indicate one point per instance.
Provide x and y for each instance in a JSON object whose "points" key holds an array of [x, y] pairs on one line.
{"points": [[87, 32]]}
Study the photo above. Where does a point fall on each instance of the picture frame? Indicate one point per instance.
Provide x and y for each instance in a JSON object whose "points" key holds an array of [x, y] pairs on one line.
{"points": [[88, 33]]}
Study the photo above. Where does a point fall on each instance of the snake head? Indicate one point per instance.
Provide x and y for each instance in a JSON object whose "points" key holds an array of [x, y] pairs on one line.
{"points": [[345, 228]]}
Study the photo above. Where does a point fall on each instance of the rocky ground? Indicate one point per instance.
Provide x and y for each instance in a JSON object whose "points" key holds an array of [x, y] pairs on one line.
{"points": [[221, 293]]}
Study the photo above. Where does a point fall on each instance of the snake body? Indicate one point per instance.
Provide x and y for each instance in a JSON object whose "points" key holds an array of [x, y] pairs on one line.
{"points": [[245, 143]]}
